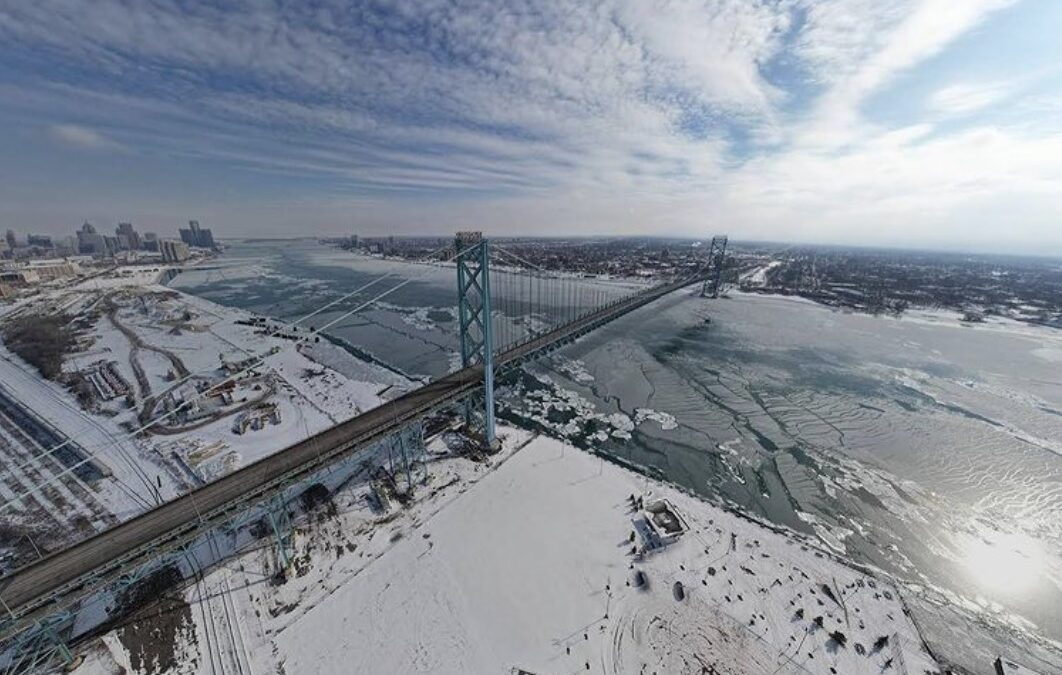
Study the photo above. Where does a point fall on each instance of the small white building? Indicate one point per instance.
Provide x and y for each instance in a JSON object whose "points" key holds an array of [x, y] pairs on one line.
{"points": [[658, 524]]}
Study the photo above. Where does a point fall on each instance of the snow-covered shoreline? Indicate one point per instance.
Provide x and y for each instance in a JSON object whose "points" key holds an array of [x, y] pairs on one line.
{"points": [[938, 316]]}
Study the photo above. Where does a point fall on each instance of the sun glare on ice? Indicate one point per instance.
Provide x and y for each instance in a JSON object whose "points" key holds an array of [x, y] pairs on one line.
{"points": [[1009, 563]]}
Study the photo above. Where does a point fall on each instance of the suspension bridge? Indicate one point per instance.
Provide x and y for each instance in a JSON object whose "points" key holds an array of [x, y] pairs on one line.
{"points": [[41, 602]]}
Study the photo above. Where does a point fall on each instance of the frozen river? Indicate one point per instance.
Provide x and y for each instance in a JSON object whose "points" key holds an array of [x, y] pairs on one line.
{"points": [[920, 446]]}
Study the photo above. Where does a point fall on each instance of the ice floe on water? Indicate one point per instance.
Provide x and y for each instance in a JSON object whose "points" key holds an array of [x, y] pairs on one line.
{"points": [[831, 535], [665, 420], [420, 318], [621, 424], [575, 369], [573, 416]]}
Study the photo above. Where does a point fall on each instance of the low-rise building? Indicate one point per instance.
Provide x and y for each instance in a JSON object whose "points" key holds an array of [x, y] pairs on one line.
{"points": [[256, 418], [17, 278], [51, 269], [657, 524]]}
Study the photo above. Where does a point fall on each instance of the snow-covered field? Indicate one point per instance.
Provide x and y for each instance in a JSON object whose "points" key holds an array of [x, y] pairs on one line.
{"points": [[758, 276], [527, 565]]}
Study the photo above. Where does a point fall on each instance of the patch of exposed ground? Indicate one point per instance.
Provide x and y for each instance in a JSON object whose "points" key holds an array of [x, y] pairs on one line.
{"points": [[153, 632]]}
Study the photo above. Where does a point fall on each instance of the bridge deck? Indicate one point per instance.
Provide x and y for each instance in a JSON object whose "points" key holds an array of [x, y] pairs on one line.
{"points": [[35, 588]]}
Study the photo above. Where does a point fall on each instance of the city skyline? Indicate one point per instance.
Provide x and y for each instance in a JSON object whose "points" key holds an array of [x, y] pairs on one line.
{"points": [[921, 124], [54, 238], [88, 240]]}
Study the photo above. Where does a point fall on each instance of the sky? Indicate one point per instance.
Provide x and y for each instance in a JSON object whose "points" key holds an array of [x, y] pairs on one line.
{"points": [[911, 123]]}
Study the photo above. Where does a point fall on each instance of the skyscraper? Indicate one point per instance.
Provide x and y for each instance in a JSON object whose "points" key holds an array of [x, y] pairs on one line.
{"points": [[173, 251], [90, 242], [197, 236], [128, 237], [39, 240], [10, 238]]}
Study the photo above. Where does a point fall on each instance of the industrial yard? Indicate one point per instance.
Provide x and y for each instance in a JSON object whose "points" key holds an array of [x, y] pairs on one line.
{"points": [[137, 392]]}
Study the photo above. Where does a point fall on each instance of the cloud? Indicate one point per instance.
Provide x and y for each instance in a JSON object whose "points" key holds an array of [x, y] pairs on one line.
{"points": [[963, 99], [562, 95], [905, 186], [632, 115], [79, 136], [862, 45]]}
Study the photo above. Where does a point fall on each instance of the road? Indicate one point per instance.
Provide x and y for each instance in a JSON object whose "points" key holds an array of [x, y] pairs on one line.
{"points": [[34, 590]]}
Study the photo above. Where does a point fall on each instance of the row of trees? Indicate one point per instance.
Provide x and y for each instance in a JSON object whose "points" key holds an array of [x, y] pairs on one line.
{"points": [[41, 341]]}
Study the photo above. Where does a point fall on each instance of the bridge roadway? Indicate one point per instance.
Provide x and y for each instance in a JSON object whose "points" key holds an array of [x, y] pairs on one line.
{"points": [[51, 583]]}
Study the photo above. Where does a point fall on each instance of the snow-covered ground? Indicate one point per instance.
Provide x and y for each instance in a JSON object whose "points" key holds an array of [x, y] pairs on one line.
{"points": [[166, 346], [758, 276], [525, 564]]}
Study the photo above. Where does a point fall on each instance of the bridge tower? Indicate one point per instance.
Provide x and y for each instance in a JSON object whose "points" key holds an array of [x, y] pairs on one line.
{"points": [[474, 317], [714, 272]]}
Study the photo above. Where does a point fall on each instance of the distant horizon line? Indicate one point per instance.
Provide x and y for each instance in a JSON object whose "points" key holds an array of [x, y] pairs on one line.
{"points": [[899, 248], [745, 242]]}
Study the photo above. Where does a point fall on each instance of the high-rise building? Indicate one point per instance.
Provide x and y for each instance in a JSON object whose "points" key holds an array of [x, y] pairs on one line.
{"points": [[89, 242], [197, 236], [110, 246], [39, 240], [10, 238], [204, 237], [173, 250], [127, 237], [150, 242], [65, 246]]}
